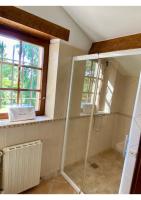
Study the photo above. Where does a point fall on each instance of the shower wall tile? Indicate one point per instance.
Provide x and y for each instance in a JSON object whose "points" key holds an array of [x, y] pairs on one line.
{"points": [[101, 137], [77, 140], [123, 127]]}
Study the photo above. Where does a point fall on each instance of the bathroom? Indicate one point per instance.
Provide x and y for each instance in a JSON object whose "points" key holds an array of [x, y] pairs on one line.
{"points": [[95, 151], [84, 130]]}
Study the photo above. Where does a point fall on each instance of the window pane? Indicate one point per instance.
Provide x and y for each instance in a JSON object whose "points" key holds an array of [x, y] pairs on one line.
{"points": [[30, 98], [31, 54], [90, 98], [8, 76], [90, 68], [92, 85], [84, 98], [9, 49], [86, 84], [19, 61], [89, 85], [7, 98], [30, 78]]}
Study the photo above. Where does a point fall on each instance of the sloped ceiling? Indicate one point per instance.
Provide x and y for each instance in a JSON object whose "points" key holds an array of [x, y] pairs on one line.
{"points": [[106, 22], [129, 65]]}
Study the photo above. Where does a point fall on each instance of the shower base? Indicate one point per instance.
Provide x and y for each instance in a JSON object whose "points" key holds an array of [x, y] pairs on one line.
{"points": [[103, 179]]}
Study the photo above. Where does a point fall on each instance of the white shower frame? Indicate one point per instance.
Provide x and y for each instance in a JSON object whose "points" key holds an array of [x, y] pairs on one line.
{"points": [[123, 189]]}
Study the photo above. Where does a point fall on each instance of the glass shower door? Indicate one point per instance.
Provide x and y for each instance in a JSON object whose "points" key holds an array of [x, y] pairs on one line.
{"points": [[103, 164], [92, 161], [79, 120]]}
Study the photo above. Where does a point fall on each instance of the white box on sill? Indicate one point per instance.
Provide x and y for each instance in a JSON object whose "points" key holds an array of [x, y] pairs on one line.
{"points": [[20, 113]]}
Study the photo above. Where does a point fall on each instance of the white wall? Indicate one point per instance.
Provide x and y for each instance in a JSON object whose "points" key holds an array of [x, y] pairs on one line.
{"points": [[57, 14]]}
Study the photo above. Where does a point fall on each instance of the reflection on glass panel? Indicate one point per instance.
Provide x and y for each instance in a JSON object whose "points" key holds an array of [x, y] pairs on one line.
{"points": [[92, 85], [89, 85], [98, 92], [86, 84], [31, 54], [30, 98], [9, 49], [30, 78], [92, 74], [87, 98], [8, 76], [90, 98], [84, 98], [108, 97], [7, 98], [91, 67]]}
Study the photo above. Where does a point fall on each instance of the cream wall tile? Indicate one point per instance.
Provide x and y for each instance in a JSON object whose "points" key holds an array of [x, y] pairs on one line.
{"points": [[77, 140]]}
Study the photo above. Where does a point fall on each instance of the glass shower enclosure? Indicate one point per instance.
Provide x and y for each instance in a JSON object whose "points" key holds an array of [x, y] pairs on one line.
{"points": [[86, 78], [90, 118]]}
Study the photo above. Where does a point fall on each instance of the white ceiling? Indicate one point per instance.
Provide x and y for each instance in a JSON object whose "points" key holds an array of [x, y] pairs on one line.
{"points": [[106, 22], [129, 65]]}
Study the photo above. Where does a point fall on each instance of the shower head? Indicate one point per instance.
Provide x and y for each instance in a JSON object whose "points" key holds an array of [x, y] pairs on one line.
{"points": [[108, 62]]}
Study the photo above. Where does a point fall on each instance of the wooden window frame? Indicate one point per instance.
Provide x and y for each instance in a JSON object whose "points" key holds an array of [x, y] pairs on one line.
{"points": [[12, 33]]}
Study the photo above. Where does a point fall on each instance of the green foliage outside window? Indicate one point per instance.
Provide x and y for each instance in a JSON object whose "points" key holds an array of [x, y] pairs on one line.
{"points": [[12, 54]]}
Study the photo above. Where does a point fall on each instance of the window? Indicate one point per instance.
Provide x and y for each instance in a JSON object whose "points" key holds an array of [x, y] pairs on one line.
{"points": [[90, 74], [23, 71]]}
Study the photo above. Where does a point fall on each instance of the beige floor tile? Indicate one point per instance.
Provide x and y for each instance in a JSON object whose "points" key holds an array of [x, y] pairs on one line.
{"points": [[102, 180], [57, 185]]}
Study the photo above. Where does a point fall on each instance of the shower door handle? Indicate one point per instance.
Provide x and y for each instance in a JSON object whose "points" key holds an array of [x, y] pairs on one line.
{"points": [[125, 145], [133, 152]]}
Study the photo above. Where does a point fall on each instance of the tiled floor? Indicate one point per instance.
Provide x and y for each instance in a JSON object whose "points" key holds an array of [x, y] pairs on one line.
{"points": [[103, 178], [56, 185]]}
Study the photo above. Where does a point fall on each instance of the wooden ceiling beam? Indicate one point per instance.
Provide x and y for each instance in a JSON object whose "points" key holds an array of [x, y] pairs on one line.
{"points": [[117, 44], [24, 21]]}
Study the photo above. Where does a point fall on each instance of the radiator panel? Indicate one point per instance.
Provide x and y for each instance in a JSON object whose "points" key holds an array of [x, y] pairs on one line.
{"points": [[21, 167]]}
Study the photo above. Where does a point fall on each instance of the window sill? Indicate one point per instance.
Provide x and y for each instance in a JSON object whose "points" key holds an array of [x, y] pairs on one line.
{"points": [[99, 113], [38, 119], [84, 115]]}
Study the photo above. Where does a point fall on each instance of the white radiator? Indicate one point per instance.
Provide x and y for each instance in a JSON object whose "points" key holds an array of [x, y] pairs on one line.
{"points": [[21, 167]]}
